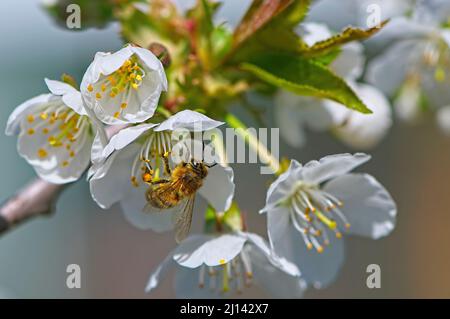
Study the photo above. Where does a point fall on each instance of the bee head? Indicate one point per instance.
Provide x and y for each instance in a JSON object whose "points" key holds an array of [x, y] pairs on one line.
{"points": [[200, 168]]}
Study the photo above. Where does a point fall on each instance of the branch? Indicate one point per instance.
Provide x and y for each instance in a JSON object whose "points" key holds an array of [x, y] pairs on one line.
{"points": [[37, 198]]}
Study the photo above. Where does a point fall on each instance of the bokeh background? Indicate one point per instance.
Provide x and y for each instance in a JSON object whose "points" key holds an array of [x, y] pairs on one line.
{"points": [[116, 259]]}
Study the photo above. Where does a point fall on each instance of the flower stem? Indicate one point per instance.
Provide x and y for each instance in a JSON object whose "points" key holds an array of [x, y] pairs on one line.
{"points": [[264, 154]]}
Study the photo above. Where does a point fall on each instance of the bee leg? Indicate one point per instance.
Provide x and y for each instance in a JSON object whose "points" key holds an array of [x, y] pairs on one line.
{"points": [[167, 169], [212, 165]]}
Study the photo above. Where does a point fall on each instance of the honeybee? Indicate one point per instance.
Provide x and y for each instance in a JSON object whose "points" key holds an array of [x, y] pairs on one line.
{"points": [[179, 189]]}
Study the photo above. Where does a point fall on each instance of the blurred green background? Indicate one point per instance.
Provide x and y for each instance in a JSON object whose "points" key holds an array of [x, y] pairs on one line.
{"points": [[116, 259]]}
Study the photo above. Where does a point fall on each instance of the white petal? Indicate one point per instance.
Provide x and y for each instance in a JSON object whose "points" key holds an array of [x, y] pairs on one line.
{"points": [[59, 88], [111, 181], [281, 264], [387, 72], [97, 150], [368, 206], [133, 204], [317, 269], [288, 118], [218, 187], [350, 62], [92, 75], [432, 12], [314, 32], [443, 119], [189, 120], [359, 130], [187, 284], [293, 113], [273, 280], [152, 63], [332, 166], [75, 102], [159, 273], [202, 249], [70, 173], [13, 124], [124, 137], [282, 187]]}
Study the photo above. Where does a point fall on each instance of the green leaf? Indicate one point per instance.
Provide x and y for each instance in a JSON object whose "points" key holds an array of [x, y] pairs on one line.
{"points": [[221, 42], [258, 15], [304, 77], [269, 25], [210, 220], [348, 35], [232, 218]]}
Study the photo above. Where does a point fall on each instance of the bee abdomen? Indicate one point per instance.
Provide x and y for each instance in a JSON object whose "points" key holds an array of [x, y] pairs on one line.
{"points": [[162, 202]]}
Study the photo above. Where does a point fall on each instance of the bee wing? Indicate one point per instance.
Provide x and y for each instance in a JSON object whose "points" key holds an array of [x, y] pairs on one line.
{"points": [[183, 220]]}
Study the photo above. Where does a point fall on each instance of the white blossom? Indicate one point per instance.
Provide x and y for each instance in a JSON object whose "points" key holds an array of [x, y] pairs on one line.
{"points": [[54, 133], [312, 206], [294, 113], [121, 176], [413, 70], [125, 86], [210, 266]]}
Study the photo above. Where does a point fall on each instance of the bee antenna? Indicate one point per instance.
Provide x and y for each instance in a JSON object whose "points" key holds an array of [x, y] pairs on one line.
{"points": [[211, 165], [203, 150]]}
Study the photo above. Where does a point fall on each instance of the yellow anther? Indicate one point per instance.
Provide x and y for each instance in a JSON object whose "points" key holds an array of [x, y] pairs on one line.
{"points": [[222, 261], [90, 88], [43, 115], [42, 153], [132, 75], [98, 96], [147, 177], [134, 86], [72, 154], [134, 181], [338, 235], [112, 95], [319, 249], [309, 246], [45, 130], [30, 118], [249, 275], [123, 105], [324, 219], [52, 140], [348, 225], [111, 80], [65, 164], [116, 115], [30, 131], [138, 77]]}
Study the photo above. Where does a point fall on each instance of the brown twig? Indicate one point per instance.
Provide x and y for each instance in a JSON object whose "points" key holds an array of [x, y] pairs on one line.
{"points": [[38, 198]]}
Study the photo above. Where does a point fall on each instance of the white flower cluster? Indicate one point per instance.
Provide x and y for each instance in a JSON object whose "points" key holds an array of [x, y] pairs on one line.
{"points": [[309, 208]]}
